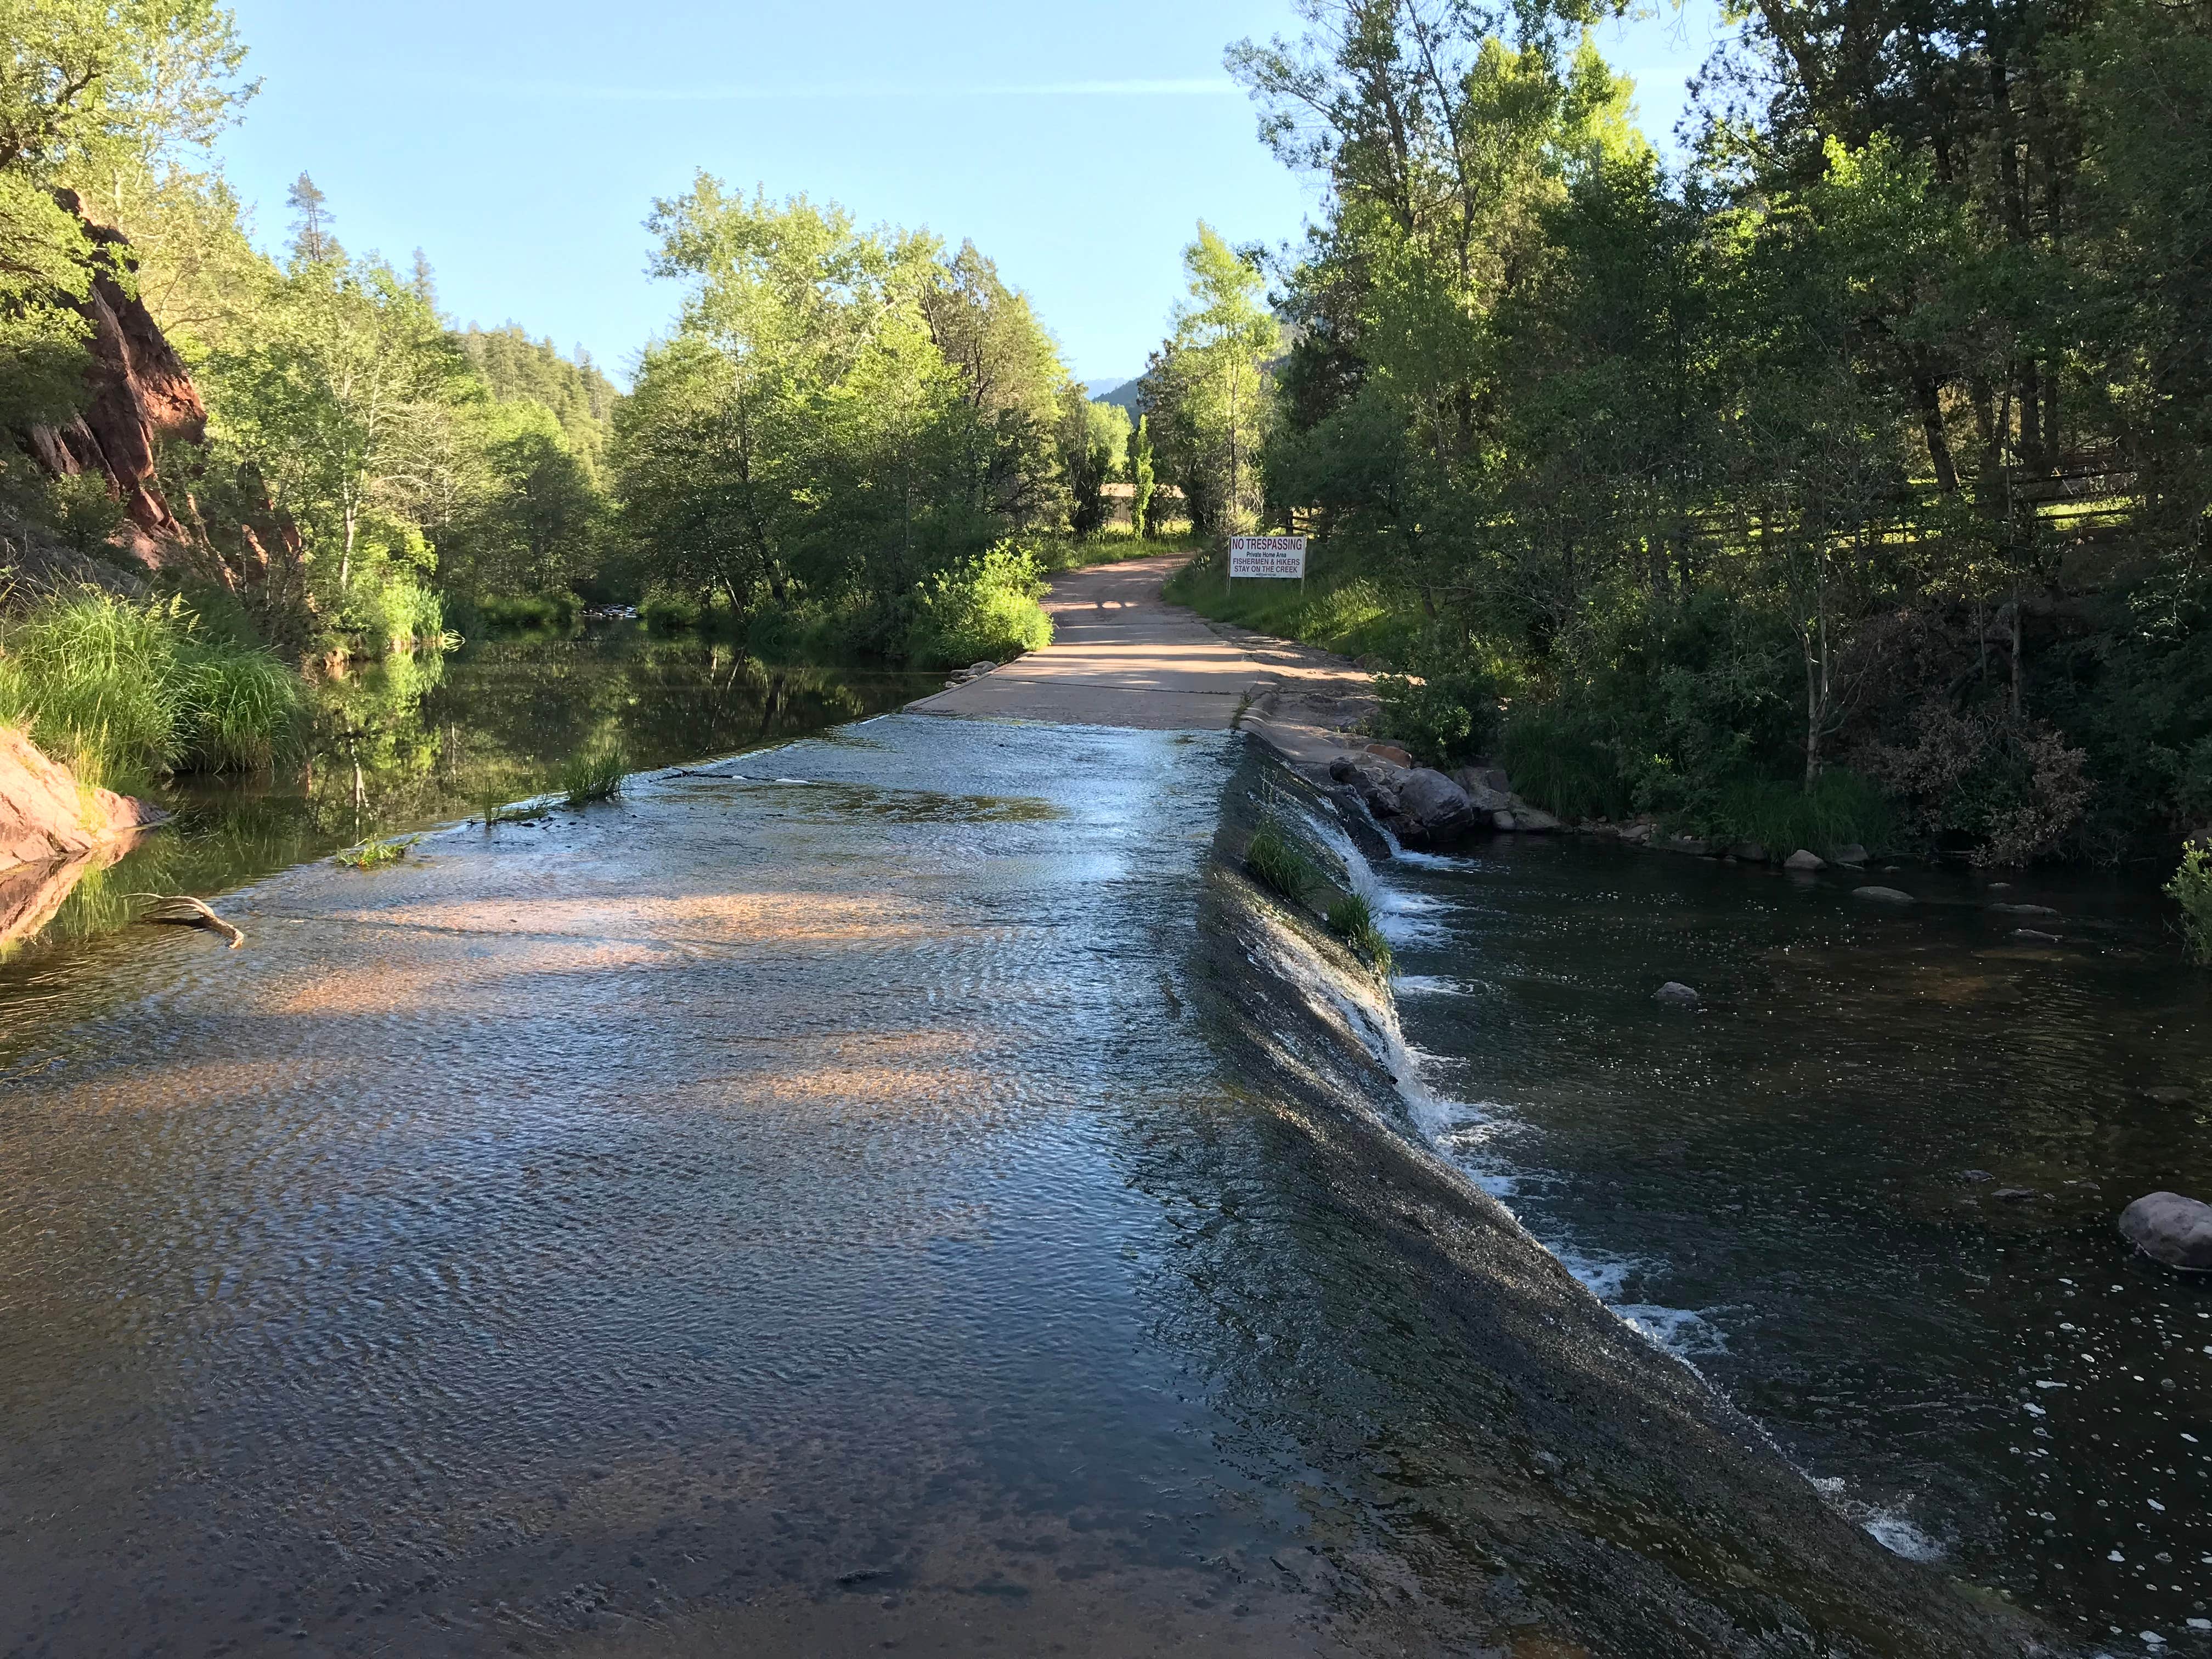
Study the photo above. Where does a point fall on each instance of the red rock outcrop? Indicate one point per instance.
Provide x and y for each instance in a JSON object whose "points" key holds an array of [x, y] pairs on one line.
{"points": [[141, 395], [46, 816]]}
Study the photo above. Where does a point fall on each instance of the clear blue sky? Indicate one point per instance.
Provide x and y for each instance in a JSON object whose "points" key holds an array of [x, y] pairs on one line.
{"points": [[520, 145]]}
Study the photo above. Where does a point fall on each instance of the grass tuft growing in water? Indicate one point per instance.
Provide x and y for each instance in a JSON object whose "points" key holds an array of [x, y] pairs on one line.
{"points": [[593, 774], [1351, 919], [1278, 866], [375, 854], [495, 808]]}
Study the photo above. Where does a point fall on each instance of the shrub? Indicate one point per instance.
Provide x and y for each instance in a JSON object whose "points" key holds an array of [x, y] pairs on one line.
{"points": [[2012, 784], [1446, 711], [593, 774], [2192, 889], [666, 611], [527, 610], [1278, 866], [985, 607]]}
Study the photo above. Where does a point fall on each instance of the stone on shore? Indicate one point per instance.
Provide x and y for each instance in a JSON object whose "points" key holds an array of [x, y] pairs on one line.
{"points": [[2171, 1230], [1883, 895], [1484, 794], [1391, 752], [45, 814], [1674, 991], [1804, 860]]}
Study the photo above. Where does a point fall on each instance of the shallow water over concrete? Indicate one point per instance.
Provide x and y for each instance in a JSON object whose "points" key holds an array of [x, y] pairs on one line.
{"points": [[684, 1200], [1868, 1187]]}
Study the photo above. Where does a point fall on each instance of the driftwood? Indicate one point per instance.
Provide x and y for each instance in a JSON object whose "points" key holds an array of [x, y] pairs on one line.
{"points": [[182, 911]]}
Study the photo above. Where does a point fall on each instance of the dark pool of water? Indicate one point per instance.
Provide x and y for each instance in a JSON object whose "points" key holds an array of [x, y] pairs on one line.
{"points": [[424, 740], [1869, 1186]]}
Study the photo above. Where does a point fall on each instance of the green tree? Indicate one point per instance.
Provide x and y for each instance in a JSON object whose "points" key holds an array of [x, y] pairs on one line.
{"points": [[1141, 481], [346, 399], [88, 89], [1207, 383], [1093, 436]]}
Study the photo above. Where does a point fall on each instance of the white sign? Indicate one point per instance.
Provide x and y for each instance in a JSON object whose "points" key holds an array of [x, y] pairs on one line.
{"points": [[1267, 556]]}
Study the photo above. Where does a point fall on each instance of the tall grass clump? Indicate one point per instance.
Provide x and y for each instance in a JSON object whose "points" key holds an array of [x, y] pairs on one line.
{"points": [[1840, 810], [2192, 889], [123, 689], [593, 774], [1278, 866], [985, 607], [1351, 919], [1557, 760]]}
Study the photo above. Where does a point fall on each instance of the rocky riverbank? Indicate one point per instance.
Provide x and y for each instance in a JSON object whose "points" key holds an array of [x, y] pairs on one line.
{"points": [[53, 832]]}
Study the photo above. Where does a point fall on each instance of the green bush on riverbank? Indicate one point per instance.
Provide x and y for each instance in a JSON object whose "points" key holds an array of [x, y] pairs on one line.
{"points": [[123, 690], [985, 607]]}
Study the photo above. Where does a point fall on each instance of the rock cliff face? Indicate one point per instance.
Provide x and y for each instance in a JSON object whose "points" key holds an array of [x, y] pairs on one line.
{"points": [[45, 816], [141, 396]]}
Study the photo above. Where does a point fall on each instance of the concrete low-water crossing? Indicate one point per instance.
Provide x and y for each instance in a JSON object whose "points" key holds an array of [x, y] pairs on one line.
{"points": [[903, 1187]]}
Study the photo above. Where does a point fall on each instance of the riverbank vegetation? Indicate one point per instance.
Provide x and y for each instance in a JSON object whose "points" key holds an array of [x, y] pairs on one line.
{"points": [[1854, 470], [123, 690]]}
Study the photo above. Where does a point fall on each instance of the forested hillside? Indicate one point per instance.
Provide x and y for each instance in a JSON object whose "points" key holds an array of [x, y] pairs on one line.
{"points": [[1851, 476]]}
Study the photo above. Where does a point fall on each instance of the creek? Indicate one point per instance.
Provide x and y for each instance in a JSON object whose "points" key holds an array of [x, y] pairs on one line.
{"points": [[898, 1188], [399, 745], [1867, 1188]]}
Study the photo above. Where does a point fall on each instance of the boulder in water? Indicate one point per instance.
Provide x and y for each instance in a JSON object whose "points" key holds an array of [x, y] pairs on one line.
{"points": [[1883, 895], [2023, 909], [2171, 1230], [1674, 992], [1431, 807], [1803, 859], [1850, 852]]}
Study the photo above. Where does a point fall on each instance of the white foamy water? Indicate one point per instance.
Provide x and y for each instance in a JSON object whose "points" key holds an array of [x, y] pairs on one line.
{"points": [[1429, 985]]}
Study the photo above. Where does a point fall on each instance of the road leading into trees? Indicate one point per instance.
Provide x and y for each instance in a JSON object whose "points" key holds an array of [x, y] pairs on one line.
{"points": [[1122, 656]]}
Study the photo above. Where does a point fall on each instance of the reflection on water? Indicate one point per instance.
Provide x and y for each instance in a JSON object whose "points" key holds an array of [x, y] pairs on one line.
{"points": [[419, 739], [1868, 1187]]}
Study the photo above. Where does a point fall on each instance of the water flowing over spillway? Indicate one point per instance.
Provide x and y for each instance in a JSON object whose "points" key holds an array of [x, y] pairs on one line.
{"points": [[1868, 1190], [905, 1186]]}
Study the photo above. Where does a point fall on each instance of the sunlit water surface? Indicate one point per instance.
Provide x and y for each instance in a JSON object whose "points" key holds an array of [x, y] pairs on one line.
{"points": [[1869, 1186]]}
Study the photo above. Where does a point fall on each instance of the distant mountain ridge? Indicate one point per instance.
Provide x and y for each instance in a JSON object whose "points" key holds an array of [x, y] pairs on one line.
{"points": [[1122, 393]]}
